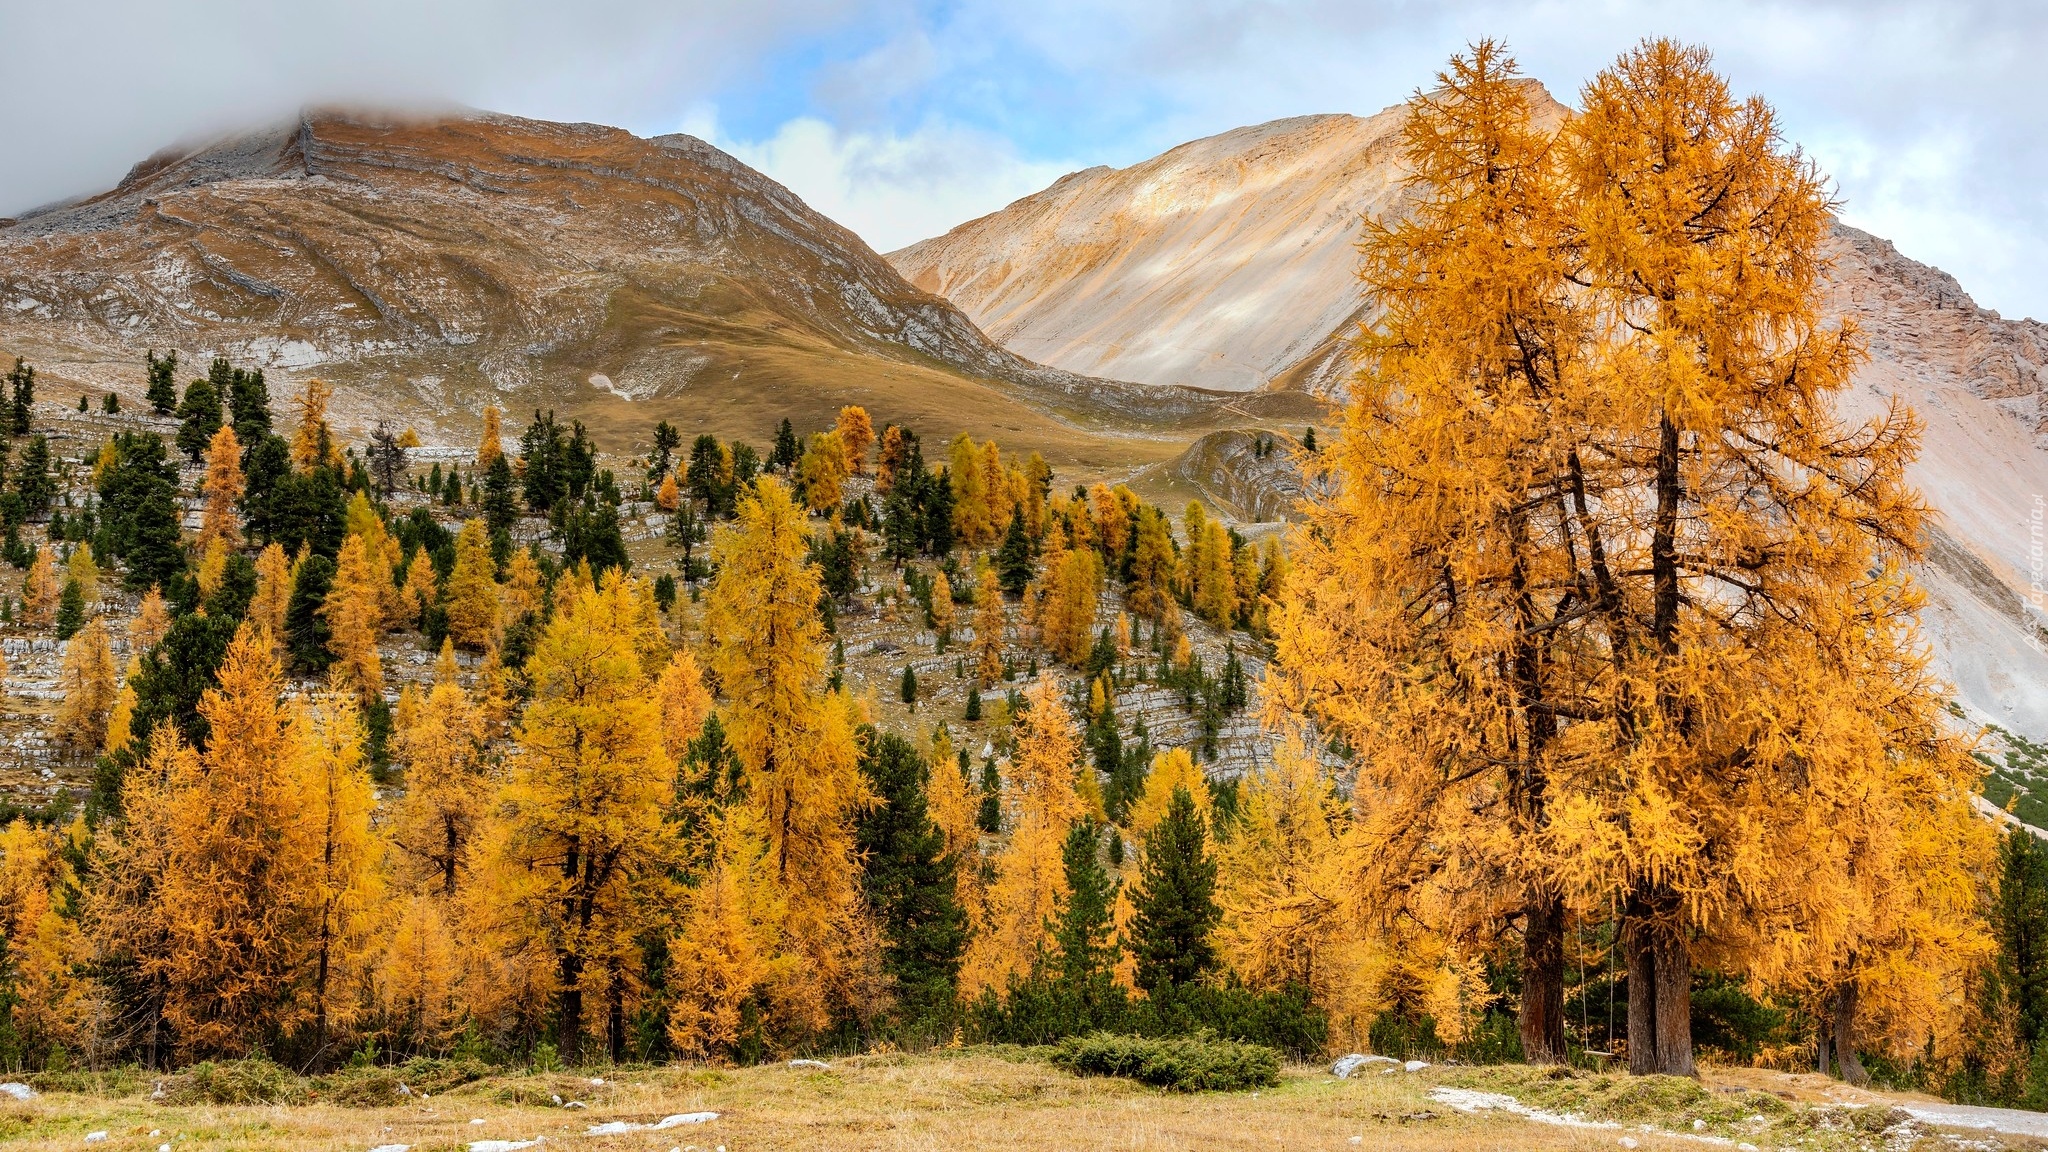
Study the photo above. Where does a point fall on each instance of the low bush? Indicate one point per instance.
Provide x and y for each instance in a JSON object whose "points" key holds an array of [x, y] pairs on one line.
{"points": [[1040, 1009], [1183, 1065], [252, 1081], [378, 1086]]}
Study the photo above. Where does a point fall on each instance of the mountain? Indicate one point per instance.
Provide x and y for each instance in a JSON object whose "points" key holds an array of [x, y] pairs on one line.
{"points": [[433, 264], [1229, 263]]}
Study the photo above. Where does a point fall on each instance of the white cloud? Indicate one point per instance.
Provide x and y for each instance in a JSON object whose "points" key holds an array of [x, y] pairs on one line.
{"points": [[889, 188]]}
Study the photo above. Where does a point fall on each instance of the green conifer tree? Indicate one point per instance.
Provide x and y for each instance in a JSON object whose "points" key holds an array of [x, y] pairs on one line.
{"points": [[908, 878], [908, 689], [305, 625], [70, 610], [22, 383], [162, 392], [1175, 900], [1086, 933], [990, 817], [1013, 559], [198, 419]]}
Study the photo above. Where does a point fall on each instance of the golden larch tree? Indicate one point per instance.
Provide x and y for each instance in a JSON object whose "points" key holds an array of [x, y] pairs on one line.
{"points": [[40, 590], [472, 594], [490, 443], [222, 490], [345, 887], [989, 623], [354, 611], [273, 590], [439, 741], [582, 809], [823, 472], [1030, 878], [856, 434], [87, 686], [313, 443]]}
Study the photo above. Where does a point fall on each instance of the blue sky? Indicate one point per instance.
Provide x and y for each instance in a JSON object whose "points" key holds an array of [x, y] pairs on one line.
{"points": [[901, 118]]}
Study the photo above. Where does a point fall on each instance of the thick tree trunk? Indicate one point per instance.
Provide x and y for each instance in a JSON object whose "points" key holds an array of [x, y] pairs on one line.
{"points": [[1659, 992], [1542, 1021], [1845, 1036]]}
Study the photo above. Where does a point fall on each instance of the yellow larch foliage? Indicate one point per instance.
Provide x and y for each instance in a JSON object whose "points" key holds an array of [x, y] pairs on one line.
{"points": [[669, 496], [421, 588], [685, 702], [473, 602], [212, 567], [273, 590], [82, 570], [438, 739], [823, 472], [1066, 614], [45, 948], [1208, 568], [121, 717], [894, 455], [1030, 878], [954, 803], [942, 606], [87, 686], [222, 490], [345, 887], [417, 976], [1154, 565], [41, 590], [728, 948], [313, 443], [490, 443], [382, 552], [1111, 510], [989, 623], [796, 743], [1171, 768], [153, 618], [524, 587], [582, 809], [856, 435], [237, 883], [125, 914], [1285, 886], [354, 612], [447, 669]]}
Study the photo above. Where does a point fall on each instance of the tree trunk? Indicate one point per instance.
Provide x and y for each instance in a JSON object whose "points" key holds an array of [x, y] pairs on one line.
{"points": [[1542, 1021], [1845, 1036], [570, 1030], [1659, 992], [615, 995]]}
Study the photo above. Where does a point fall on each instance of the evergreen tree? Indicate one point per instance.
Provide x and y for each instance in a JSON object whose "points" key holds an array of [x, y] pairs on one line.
{"points": [[1013, 559], [500, 507], [907, 689], [662, 459], [162, 392], [973, 711], [198, 419], [156, 554], [784, 455], [111, 404], [543, 452], [1175, 901], [266, 464], [387, 458], [70, 610], [248, 399], [175, 672], [1308, 440], [1086, 934], [22, 384], [2019, 919], [909, 878], [305, 619], [590, 531], [990, 816], [38, 489]]}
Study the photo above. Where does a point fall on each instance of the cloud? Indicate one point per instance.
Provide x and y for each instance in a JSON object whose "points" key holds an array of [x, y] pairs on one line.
{"points": [[93, 88], [890, 188]]}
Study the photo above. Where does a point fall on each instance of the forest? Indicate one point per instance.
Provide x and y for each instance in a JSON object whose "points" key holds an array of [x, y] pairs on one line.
{"points": [[1595, 720]]}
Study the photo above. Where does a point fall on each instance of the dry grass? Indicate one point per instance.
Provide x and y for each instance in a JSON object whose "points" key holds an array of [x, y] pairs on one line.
{"points": [[974, 1100]]}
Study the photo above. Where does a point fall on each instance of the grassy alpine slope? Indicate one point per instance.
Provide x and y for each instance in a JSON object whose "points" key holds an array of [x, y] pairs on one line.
{"points": [[973, 1098]]}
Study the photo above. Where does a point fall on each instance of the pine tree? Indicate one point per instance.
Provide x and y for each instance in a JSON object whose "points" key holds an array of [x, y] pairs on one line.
{"points": [[907, 689], [989, 815], [973, 711], [156, 552], [248, 398], [306, 631], [198, 419], [1013, 559], [32, 479], [1175, 900], [22, 384], [909, 877], [1086, 940], [70, 610], [162, 392]]}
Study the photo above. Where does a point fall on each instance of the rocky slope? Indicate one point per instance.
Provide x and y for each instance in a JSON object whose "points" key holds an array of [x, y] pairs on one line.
{"points": [[439, 263], [1229, 262]]}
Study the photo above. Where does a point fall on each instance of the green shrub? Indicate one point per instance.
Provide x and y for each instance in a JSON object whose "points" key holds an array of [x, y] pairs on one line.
{"points": [[1187, 1065], [252, 1081]]}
